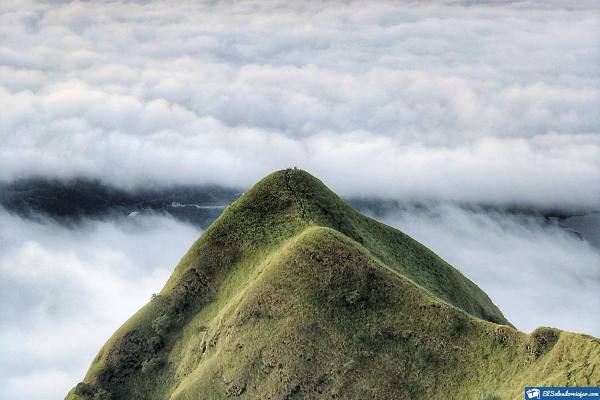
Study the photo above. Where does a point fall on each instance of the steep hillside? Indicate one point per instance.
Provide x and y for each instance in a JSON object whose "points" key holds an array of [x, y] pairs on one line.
{"points": [[292, 294]]}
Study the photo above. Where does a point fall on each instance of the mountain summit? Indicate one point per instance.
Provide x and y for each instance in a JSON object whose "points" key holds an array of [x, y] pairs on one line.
{"points": [[292, 294]]}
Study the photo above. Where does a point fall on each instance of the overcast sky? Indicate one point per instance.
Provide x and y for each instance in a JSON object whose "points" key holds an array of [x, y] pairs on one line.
{"points": [[478, 102], [494, 102]]}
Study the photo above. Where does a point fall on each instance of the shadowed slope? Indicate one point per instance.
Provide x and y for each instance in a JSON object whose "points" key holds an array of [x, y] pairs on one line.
{"points": [[292, 294]]}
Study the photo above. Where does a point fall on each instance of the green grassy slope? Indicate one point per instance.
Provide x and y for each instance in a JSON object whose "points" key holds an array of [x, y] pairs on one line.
{"points": [[292, 294]]}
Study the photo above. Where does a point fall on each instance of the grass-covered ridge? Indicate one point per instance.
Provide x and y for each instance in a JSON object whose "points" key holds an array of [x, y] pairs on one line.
{"points": [[292, 294]]}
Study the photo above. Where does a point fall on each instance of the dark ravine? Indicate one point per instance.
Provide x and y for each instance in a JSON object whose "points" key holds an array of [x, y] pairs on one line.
{"points": [[292, 294]]}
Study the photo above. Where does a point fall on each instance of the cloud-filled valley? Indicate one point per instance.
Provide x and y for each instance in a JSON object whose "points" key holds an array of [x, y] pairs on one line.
{"points": [[65, 289], [538, 273]]}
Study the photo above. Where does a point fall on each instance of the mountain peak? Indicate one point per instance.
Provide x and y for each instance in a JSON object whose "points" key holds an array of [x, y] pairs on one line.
{"points": [[293, 188], [293, 199], [293, 294]]}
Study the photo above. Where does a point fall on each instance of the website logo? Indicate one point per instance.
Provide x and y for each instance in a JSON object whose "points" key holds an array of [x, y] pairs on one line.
{"points": [[560, 392]]}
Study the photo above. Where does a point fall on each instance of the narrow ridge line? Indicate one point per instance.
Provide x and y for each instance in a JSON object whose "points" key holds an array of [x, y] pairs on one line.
{"points": [[288, 185]]}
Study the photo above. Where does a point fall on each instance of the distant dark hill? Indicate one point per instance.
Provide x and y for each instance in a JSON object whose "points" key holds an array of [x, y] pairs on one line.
{"points": [[292, 294], [71, 200]]}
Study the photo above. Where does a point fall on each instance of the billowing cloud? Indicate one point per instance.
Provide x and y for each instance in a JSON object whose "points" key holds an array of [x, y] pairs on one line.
{"points": [[538, 273], [492, 102], [65, 291]]}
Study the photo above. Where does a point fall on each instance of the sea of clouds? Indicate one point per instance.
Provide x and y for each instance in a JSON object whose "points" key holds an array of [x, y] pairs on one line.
{"points": [[477, 102], [64, 290], [536, 272]]}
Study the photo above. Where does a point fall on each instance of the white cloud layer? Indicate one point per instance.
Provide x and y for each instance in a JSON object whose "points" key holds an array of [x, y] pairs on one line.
{"points": [[536, 272], [493, 102], [65, 291]]}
